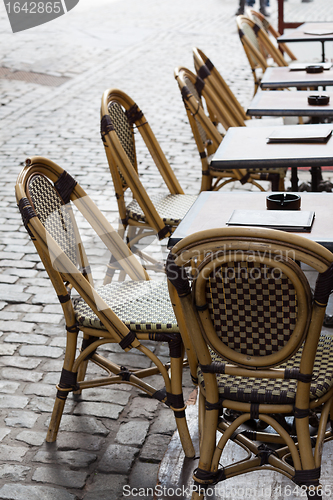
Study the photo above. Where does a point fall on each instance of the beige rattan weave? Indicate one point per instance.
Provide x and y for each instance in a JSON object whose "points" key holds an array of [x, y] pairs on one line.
{"points": [[126, 313], [196, 93], [262, 360]]}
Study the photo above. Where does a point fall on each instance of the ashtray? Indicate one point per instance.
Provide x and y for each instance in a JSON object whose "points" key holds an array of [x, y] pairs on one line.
{"points": [[283, 201], [314, 69], [318, 100]]}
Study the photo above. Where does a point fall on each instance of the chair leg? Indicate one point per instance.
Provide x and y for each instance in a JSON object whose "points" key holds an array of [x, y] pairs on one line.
{"points": [[58, 409], [177, 404]]}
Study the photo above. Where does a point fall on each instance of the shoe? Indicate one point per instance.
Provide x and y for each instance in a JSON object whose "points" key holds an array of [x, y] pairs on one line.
{"points": [[264, 12], [240, 12]]}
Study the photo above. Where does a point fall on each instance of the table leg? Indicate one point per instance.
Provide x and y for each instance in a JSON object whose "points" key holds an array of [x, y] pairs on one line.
{"points": [[323, 51], [315, 178], [294, 179]]}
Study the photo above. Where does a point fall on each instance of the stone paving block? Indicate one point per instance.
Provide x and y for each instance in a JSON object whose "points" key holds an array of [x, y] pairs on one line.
{"points": [[75, 459], [41, 389], [19, 361], [105, 487], [143, 407], [25, 338], [133, 433], [165, 423], [154, 448], [3, 433], [60, 477], [45, 405], [7, 350], [118, 459], [24, 375], [98, 409], [11, 472], [23, 308], [143, 476], [12, 453], [87, 425], [120, 397], [43, 298], [13, 401], [21, 419], [8, 387], [8, 278], [43, 318], [16, 326], [19, 492], [74, 441], [32, 437], [41, 351]]}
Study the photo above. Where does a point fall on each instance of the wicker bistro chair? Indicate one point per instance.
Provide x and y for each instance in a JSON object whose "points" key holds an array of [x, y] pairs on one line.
{"points": [[263, 23], [126, 313], [161, 213], [207, 137], [256, 329], [257, 46], [206, 70]]}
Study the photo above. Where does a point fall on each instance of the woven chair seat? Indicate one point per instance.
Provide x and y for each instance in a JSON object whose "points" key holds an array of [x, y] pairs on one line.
{"points": [[171, 208], [143, 306], [256, 390]]}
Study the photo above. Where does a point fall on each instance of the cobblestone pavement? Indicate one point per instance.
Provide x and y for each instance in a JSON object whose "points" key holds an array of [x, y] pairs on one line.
{"points": [[111, 438]]}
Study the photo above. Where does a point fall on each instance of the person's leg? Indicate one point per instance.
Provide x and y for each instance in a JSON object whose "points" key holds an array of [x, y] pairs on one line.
{"points": [[241, 8], [262, 8]]}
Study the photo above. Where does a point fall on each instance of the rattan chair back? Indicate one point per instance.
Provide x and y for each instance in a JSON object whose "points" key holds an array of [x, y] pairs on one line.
{"points": [[257, 46], [256, 329], [120, 115], [206, 70], [263, 22], [199, 97], [124, 313]]}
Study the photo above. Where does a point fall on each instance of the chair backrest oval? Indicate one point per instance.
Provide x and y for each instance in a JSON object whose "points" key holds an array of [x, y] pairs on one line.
{"points": [[54, 214]]}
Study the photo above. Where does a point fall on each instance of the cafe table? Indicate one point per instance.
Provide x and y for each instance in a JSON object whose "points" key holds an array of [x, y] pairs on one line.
{"points": [[310, 32], [248, 148], [283, 77], [212, 210], [293, 103]]}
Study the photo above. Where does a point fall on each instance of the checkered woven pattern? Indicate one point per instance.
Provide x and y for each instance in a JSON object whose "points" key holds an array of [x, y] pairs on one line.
{"points": [[124, 133], [171, 208], [253, 390], [253, 307], [142, 305], [53, 214]]}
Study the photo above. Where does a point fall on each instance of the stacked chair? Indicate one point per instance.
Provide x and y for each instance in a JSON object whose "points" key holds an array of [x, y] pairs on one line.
{"points": [[258, 47], [206, 134], [265, 370], [263, 23], [127, 313]]}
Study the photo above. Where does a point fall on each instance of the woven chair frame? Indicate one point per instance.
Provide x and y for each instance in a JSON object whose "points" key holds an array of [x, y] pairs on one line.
{"points": [[257, 45], [263, 22], [124, 169], [208, 138], [206, 70], [211, 249], [68, 272]]}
